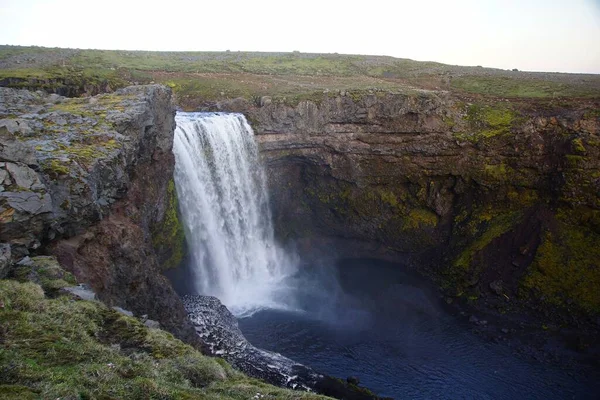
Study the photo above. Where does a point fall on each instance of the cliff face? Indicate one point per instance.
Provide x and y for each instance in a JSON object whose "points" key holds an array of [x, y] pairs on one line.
{"points": [[496, 200], [90, 181]]}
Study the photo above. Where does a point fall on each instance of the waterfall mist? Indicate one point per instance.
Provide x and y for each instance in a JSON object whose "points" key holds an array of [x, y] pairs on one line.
{"points": [[224, 204]]}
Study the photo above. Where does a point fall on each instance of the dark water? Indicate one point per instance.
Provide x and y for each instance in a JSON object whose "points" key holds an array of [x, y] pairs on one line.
{"points": [[369, 319]]}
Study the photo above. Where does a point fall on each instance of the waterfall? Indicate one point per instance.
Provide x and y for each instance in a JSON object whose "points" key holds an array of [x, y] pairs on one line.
{"points": [[225, 209]]}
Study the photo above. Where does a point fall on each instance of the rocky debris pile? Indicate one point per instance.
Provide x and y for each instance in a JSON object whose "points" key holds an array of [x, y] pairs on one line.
{"points": [[219, 331]]}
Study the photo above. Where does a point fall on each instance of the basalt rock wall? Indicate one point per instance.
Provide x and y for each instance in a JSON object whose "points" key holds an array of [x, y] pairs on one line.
{"points": [[497, 200]]}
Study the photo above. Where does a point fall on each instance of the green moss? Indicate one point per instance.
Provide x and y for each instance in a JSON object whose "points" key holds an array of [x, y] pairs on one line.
{"points": [[498, 172], [498, 117], [60, 348], [488, 121], [522, 197], [449, 121], [577, 145], [388, 198], [168, 237], [85, 154], [55, 168], [74, 106], [420, 218], [590, 114], [111, 144], [460, 217], [325, 197], [356, 96], [574, 160], [485, 229], [97, 108], [566, 269], [14, 392]]}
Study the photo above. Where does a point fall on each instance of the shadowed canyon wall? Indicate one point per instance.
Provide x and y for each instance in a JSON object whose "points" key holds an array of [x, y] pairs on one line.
{"points": [[496, 200]]}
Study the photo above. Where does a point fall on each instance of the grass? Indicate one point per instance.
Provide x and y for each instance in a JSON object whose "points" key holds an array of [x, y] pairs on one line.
{"points": [[52, 78], [69, 349], [198, 77], [522, 88]]}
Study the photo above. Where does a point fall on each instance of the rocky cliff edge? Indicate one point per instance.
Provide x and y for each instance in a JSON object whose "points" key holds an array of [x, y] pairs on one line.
{"points": [[89, 180]]}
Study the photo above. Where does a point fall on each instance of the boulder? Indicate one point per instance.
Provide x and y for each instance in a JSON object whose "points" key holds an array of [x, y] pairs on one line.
{"points": [[45, 271], [24, 177], [152, 324], [81, 291], [496, 287], [123, 311]]}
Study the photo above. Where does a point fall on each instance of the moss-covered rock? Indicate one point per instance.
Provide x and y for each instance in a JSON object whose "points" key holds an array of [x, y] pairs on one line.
{"points": [[45, 271], [566, 269], [168, 237], [487, 121], [483, 232]]}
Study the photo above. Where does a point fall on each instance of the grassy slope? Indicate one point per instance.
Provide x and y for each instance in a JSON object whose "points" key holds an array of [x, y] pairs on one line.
{"points": [[210, 76], [69, 349]]}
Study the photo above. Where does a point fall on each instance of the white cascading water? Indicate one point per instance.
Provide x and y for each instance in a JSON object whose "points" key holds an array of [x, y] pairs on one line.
{"points": [[224, 205]]}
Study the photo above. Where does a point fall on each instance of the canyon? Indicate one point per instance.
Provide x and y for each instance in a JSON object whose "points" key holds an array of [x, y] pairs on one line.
{"points": [[494, 198], [497, 201]]}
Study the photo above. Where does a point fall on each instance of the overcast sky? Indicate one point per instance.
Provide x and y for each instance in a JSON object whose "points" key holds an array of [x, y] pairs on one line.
{"points": [[536, 35]]}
